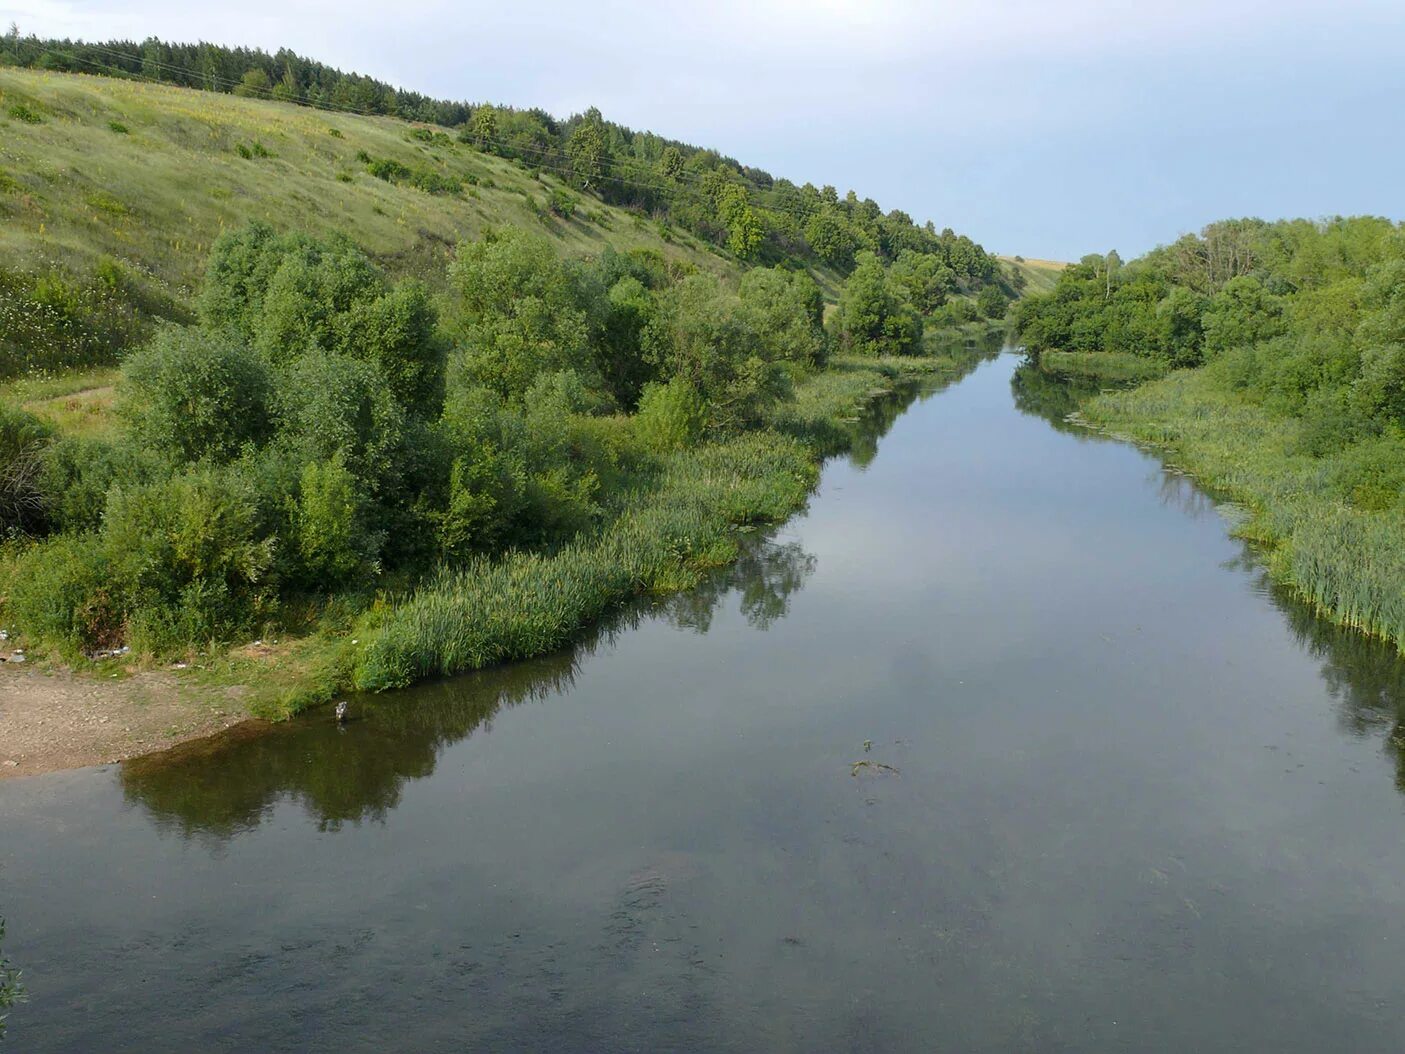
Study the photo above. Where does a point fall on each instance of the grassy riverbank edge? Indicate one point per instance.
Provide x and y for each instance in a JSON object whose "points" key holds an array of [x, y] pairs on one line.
{"points": [[1347, 562]]}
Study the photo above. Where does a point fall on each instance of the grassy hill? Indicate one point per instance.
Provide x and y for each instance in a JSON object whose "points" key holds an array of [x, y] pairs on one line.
{"points": [[114, 190], [1040, 276]]}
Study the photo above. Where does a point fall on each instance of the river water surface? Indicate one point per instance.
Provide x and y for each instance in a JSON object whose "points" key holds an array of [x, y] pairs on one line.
{"points": [[1138, 800]]}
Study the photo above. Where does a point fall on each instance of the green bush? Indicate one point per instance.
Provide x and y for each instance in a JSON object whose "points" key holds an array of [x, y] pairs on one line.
{"points": [[63, 596], [192, 394], [20, 112], [333, 541], [670, 416], [186, 557], [79, 471]]}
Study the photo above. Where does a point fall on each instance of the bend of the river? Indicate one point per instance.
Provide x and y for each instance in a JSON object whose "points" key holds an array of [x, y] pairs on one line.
{"points": [[1005, 744]]}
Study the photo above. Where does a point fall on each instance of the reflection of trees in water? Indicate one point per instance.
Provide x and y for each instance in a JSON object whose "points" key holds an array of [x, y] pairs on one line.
{"points": [[765, 576], [1364, 676], [1177, 491], [1050, 396], [878, 417], [221, 786]]}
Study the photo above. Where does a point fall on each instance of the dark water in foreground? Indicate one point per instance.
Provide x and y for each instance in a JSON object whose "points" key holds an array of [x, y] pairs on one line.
{"points": [[1143, 803]]}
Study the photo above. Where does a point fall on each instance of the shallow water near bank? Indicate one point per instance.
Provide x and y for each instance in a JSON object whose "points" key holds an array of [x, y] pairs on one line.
{"points": [[1135, 798]]}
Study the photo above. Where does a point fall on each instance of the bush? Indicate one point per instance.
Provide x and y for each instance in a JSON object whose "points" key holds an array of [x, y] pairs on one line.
{"points": [[876, 315], [562, 203], [333, 541], [192, 394], [1371, 474], [700, 336], [79, 471], [670, 417], [23, 500], [187, 559], [118, 127], [62, 595]]}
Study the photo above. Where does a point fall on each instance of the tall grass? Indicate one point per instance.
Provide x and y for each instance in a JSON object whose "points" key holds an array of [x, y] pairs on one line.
{"points": [[1114, 367]]}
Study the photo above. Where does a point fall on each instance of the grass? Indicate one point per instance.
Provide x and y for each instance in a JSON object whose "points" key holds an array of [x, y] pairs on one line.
{"points": [[1114, 367], [1331, 536], [79, 402], [1040, 275]]}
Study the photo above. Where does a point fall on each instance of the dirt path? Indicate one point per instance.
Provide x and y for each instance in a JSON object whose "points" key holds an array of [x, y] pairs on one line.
{"points": [[57, 720]]}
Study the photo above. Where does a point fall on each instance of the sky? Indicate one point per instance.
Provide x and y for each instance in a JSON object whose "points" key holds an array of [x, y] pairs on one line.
{"points": [[1048, 128]]}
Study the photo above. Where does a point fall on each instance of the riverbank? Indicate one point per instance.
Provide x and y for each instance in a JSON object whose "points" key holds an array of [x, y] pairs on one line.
{"points": [[1314, 515], [56, 717]]}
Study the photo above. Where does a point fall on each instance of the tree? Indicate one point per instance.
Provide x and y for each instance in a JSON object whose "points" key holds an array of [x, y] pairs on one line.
{"points": [[671, 163], [875, 315], [483, 129], [745, 231], [830, 238], [991, 302], [254, 84], [588, 149], [193, 394], [700, 338], [287, 90], [518, 313]]}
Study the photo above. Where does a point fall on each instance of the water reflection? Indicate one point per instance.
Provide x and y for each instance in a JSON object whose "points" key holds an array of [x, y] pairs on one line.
{"points": [[1365, 677], [219, 787]]}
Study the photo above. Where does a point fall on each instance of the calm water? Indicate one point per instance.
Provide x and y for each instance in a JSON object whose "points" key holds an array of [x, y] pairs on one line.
{"points": [[1142, 802]]}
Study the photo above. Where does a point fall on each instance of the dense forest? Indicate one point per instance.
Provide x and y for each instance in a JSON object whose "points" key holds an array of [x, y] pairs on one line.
{"points": [[745, 210], [1292, 336]]}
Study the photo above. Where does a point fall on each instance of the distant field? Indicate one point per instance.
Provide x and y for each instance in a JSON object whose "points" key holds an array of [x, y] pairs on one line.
{"points": [[149, 175]]}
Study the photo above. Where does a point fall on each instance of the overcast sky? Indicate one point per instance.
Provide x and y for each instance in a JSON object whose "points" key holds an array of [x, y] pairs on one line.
{"points": [[1043, 127]]}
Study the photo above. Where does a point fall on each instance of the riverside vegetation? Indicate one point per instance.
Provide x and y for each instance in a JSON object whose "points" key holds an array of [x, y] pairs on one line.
{"points": [[1284, 349], [399, 454]]}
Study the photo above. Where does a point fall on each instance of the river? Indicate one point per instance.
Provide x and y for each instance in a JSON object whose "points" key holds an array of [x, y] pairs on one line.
{"points": [[1004, 744]]}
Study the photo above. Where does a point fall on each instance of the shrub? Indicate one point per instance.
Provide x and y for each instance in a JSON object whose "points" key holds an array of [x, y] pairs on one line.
{"points": [[118, 127], [192, 394], [332, 539], [63, 595], [670, 416], [80, 470], [876, 315], [562, 203], [187, 559]]}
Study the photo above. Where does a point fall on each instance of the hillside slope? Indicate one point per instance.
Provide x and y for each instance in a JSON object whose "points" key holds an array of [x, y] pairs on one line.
{"points": [[118, 188]]}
